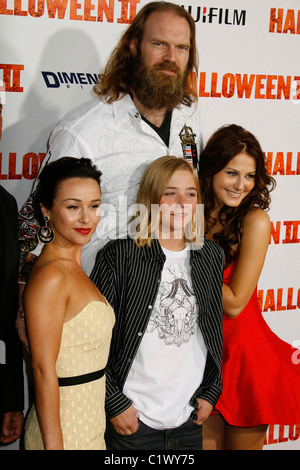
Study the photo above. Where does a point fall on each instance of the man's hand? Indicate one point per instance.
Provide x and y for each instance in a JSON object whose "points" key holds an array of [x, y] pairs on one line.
{"points": [[204, 410], [126, 422], [12, 426]]}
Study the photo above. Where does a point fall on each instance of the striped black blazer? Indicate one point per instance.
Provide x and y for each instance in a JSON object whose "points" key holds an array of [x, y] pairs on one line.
{"points": [[129, 277]]}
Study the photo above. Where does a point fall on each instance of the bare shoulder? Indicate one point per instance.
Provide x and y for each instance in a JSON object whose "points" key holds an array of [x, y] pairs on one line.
{"points": [[47, 276], [257, 219]]}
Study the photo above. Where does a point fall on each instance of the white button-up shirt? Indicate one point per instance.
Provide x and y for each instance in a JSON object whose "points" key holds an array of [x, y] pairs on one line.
{"points": [[121, 144]]}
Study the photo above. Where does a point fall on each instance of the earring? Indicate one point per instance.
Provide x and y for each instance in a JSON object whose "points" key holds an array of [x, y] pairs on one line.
{"points": [[45, 234]]}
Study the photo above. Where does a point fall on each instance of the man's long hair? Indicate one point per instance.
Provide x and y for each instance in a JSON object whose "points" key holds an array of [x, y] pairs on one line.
{"points": [[114, 82]]}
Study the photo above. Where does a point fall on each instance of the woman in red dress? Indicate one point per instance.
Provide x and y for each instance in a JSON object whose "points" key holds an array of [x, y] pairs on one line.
{"points": [[261, 382]]}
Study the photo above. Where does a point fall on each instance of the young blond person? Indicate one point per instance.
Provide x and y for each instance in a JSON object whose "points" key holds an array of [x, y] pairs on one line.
{"points": [[165, 285]]}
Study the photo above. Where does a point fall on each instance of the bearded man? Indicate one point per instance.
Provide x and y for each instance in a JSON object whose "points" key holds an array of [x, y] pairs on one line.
{"points": [[145, 107]]}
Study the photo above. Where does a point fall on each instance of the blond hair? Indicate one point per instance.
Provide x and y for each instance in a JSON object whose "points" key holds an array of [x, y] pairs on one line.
{"points": [[152, 186]]}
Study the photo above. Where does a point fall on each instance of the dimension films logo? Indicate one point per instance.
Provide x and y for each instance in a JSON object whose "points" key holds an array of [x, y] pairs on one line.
{"points": [[56, 79], [217, 15]]}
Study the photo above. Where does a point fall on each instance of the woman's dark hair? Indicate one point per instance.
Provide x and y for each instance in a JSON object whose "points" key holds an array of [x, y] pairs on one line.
{"points": [[54, 173], [227, 142]]}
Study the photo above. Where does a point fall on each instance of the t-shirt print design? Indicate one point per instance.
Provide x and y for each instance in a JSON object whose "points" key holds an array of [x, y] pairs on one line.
{"points": [[174, 315]]}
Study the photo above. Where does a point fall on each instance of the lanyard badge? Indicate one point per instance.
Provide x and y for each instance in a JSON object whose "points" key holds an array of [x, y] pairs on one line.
{"points": [[189, 148]]}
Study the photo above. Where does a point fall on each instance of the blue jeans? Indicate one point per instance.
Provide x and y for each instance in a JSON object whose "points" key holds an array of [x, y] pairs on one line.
{"points": [[188, 436]]}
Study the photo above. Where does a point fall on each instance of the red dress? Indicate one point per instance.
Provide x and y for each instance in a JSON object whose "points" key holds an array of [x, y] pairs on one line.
{"points": [[261, 384]]}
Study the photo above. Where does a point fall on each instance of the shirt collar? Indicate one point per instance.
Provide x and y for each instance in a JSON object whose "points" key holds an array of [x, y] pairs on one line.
{"points": [[123, 106], [155, 250]]}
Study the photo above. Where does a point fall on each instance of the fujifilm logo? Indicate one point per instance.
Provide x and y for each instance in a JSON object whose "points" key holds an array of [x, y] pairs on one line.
{"points": [[56, 79], [217, 15]]}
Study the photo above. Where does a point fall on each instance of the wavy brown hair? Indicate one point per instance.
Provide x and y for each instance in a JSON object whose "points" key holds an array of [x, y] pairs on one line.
{"points": [[115, 81], [223, 145]]}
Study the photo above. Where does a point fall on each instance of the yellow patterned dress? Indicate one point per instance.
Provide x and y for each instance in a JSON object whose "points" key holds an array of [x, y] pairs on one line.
{"points": [[84, 349]]}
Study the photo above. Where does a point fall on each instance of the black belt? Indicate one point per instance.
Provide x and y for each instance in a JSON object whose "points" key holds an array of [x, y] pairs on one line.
{"points": [[80, 379]]}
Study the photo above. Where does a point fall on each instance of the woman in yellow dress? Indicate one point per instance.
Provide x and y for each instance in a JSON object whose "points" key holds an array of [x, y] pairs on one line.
{"points": [[68, 320]]}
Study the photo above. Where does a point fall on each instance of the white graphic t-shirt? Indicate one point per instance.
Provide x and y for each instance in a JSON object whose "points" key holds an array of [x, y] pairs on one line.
{"points": [[170, 361]]}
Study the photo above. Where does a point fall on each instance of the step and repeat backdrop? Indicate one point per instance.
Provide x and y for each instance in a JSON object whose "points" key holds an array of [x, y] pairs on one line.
{"points": [[51, 52]]}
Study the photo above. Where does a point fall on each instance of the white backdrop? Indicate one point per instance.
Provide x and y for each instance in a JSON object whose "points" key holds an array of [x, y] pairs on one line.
{"points": [[51, 51]]}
